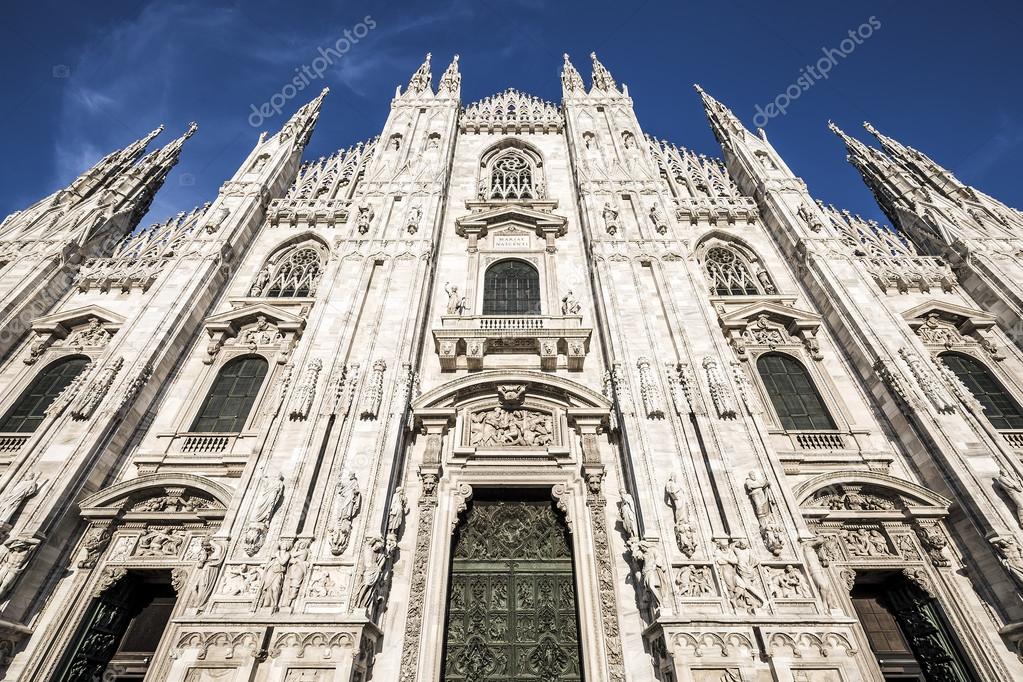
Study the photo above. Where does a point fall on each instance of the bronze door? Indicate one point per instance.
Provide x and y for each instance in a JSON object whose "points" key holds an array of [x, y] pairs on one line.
{"points": [[511, 605]]}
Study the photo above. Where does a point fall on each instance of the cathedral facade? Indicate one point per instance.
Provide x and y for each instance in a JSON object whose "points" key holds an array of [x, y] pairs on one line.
{"points": [[512, 392]]}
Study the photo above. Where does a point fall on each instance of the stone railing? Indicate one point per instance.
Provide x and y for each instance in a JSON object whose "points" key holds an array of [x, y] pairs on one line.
{"points": [[817, 440], [476, 336], [11, 443], [1013, 438]]}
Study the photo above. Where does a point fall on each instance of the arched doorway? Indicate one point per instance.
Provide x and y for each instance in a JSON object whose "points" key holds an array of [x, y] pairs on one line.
{"points": [[512, 611]]}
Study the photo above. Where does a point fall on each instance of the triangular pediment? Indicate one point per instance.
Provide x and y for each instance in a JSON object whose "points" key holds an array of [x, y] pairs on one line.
{"points": [[65, 320], [959, 315], [793, 318], [495, 217], [233, 320]]}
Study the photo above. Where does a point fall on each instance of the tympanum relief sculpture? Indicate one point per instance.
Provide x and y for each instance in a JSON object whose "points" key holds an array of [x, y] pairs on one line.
{"points": [[499, 427]]}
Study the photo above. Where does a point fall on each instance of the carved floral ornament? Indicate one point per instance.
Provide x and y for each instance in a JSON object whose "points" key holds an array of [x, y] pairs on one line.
{"points": [[252, 328]]}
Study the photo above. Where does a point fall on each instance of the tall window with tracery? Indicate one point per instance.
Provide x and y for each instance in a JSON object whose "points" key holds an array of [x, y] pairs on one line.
{"points": [[296, 273], [511, 177], [30, 410], [227, 405], [729, 273], [1000, 408], [795, 399], [511, 287]]}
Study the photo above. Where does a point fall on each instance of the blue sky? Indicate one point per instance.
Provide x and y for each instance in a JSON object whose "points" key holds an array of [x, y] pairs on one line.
{"points": [[80, 79]]}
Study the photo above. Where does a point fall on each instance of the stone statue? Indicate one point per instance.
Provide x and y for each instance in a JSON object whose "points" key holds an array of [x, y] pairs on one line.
{"points": [[349, 506], [261, 281], [373, 559], [820, 578], [1013, 489], [11, 502], [270, 496], [364, 218], [756, 489], [627, 509], [569, 304], [657, 218], [1009, 553], [295, 575], [13, 562], [651, 573], [396, 516], [738, 572], [685, 534], [272, 587], [207, 562], [456, 304], [610, 218]]}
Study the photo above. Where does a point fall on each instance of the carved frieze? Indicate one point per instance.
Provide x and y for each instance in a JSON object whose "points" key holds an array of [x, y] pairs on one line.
{"points": [[500, 427]]}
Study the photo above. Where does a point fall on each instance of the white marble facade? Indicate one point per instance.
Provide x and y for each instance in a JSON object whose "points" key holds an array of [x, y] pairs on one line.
{"points": [[710, 540]]}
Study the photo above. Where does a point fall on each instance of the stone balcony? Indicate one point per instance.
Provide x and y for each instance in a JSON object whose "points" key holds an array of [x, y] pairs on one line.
{"points": [[476, 336]]}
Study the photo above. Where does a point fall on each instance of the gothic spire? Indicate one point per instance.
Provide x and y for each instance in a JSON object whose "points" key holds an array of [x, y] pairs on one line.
{"points": [[139, 184], [920, 164], [301, 123], [451, 81], [109, 167], [886, 181], [723, 122], [422, 79], [571, 81], [601, 77]]}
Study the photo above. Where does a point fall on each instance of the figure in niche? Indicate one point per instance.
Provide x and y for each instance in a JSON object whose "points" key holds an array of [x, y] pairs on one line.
{"points": [[757, 489], [25, 488], [570, 304], [259, 163], [396, 516], [272, 589], [373, 559], [738, 572], [627, 511], [349, 505], [1008, 483], [592, 158], [658, 219], [610, 219]]}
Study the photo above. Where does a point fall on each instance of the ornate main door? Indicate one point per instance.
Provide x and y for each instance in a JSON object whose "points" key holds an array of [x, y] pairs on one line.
{"points": [[511, 606]]}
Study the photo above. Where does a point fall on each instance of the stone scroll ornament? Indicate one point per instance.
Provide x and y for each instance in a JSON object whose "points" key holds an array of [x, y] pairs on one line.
{"points": [[349, 505], [271, 492], [759, 492]]}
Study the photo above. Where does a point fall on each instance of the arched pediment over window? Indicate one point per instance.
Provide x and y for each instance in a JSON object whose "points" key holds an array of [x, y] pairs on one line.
{"points": [[176, 494], [856, 493]]}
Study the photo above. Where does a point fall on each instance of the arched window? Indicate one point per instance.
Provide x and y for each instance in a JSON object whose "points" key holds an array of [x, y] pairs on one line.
{"points": [[795, 398], [729, 274], [230, 400], [294, 273], [999, 407], [31, 407], [511, 177], [511, 287]]}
